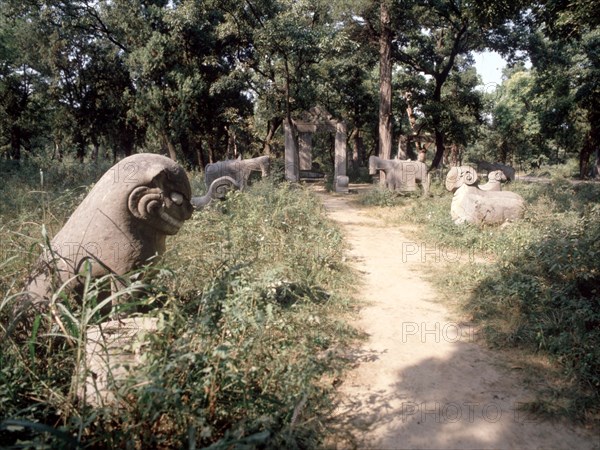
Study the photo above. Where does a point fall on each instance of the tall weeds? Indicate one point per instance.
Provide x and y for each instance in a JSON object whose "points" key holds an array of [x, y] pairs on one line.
{"points": [[250, 303]]}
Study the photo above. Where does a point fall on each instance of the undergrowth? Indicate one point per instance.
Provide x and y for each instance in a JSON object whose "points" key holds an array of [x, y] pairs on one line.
{"points": [[253, 297], [381, 196], [533, 285]]}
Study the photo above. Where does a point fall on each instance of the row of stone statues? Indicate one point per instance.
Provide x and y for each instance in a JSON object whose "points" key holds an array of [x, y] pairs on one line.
{"points": [[472, 202], [123, 222]]}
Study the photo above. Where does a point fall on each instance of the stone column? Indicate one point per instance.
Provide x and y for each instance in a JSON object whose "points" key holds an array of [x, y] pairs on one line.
{"points": [[292, 172], [305, 149], [340, 177]]}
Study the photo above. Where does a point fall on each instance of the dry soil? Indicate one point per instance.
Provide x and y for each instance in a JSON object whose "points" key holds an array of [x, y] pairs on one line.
{"points": [[420, 380]]}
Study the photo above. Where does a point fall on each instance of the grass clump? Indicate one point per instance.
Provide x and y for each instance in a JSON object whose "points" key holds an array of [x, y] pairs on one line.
{"points": [[252, 296], [381, 196]]}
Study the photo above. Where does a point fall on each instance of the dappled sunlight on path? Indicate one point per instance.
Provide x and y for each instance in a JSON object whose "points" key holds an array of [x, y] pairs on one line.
{"points": [[426, 383]]}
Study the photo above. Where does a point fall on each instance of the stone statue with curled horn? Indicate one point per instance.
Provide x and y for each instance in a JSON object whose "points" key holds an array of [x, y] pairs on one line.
{"points": [[120, 226], [238, 170], [481, 204]]}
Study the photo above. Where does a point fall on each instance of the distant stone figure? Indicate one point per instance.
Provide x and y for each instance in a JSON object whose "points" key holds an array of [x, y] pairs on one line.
{"points": [[473, 205], [237, 169], [218, 189], [508, 171], [121, 225], [401, 175], [495, 180]]}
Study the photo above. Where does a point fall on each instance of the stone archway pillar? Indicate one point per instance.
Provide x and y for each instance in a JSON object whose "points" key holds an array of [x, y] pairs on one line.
{"points": [[305, 149], [292, 170], [340, 177]]}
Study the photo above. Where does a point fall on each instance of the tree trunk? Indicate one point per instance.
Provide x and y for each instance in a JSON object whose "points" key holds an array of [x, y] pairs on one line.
{"points": [[594, 138], [95, 150], [584, 156], [15, 143], [169, 146], [439, 134], [356, 148], [272, 127], [439, 148], [440, 79], [80, 145], [200, 156], [385, 86], [188, 148]]}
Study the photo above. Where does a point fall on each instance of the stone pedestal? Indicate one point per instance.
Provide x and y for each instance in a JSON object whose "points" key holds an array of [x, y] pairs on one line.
{"points": [[113, 352]]}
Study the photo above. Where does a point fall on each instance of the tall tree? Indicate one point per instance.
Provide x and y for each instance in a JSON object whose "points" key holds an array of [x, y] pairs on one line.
{"points": [[573, 27], [22, 107], [385, 83]]}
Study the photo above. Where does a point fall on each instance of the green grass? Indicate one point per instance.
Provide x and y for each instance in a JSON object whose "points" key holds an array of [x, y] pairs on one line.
{"points": [[533, 285], [381, 196], [253, 299]]}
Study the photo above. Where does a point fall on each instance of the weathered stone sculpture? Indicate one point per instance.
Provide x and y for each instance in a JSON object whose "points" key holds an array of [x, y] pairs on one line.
{"points": [[237, 169], [114, 352], [474, 205], [495, 180], [121, 225], [508, 171], [218, 189], [400, 175]]}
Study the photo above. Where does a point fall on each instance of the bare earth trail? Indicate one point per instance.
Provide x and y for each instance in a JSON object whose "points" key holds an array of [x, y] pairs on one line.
{"points": [[421, 382]]}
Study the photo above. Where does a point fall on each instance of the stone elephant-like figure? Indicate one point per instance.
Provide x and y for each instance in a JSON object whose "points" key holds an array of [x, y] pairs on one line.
{"points": [[401, 175], [474, 205], [237, 169]]}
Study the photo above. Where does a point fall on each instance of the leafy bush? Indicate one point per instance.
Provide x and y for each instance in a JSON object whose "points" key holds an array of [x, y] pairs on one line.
{"points": [[253, 298]]}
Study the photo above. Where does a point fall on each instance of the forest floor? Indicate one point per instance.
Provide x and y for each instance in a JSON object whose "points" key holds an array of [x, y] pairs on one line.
{"points": [[421, 380]]}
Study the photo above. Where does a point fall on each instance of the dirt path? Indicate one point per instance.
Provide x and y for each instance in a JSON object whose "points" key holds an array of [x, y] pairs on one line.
{"points": [[420, 380]]}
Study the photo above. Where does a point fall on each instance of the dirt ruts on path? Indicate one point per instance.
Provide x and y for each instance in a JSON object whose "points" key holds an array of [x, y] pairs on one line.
{"points": [[420, 381]]}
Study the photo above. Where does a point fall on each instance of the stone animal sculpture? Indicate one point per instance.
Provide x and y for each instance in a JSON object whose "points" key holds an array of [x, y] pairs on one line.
{"points": [[237, 169], [121, 225], [217, 190], [508, 171], [495, 180], [401, 175], [474, 205]]}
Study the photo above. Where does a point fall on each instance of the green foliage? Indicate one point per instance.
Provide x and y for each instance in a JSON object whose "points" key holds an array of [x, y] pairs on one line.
{"points": [[252, 296], [534, 284], [381, 196]]}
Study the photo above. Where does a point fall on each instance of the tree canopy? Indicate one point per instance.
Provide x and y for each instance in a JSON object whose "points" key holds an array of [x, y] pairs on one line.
{"points": [[202, 81]]}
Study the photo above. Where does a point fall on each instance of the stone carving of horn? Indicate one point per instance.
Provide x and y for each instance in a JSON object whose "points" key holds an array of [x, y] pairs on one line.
{"points": [[144, 202], [218, 189], [469, 175]]}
